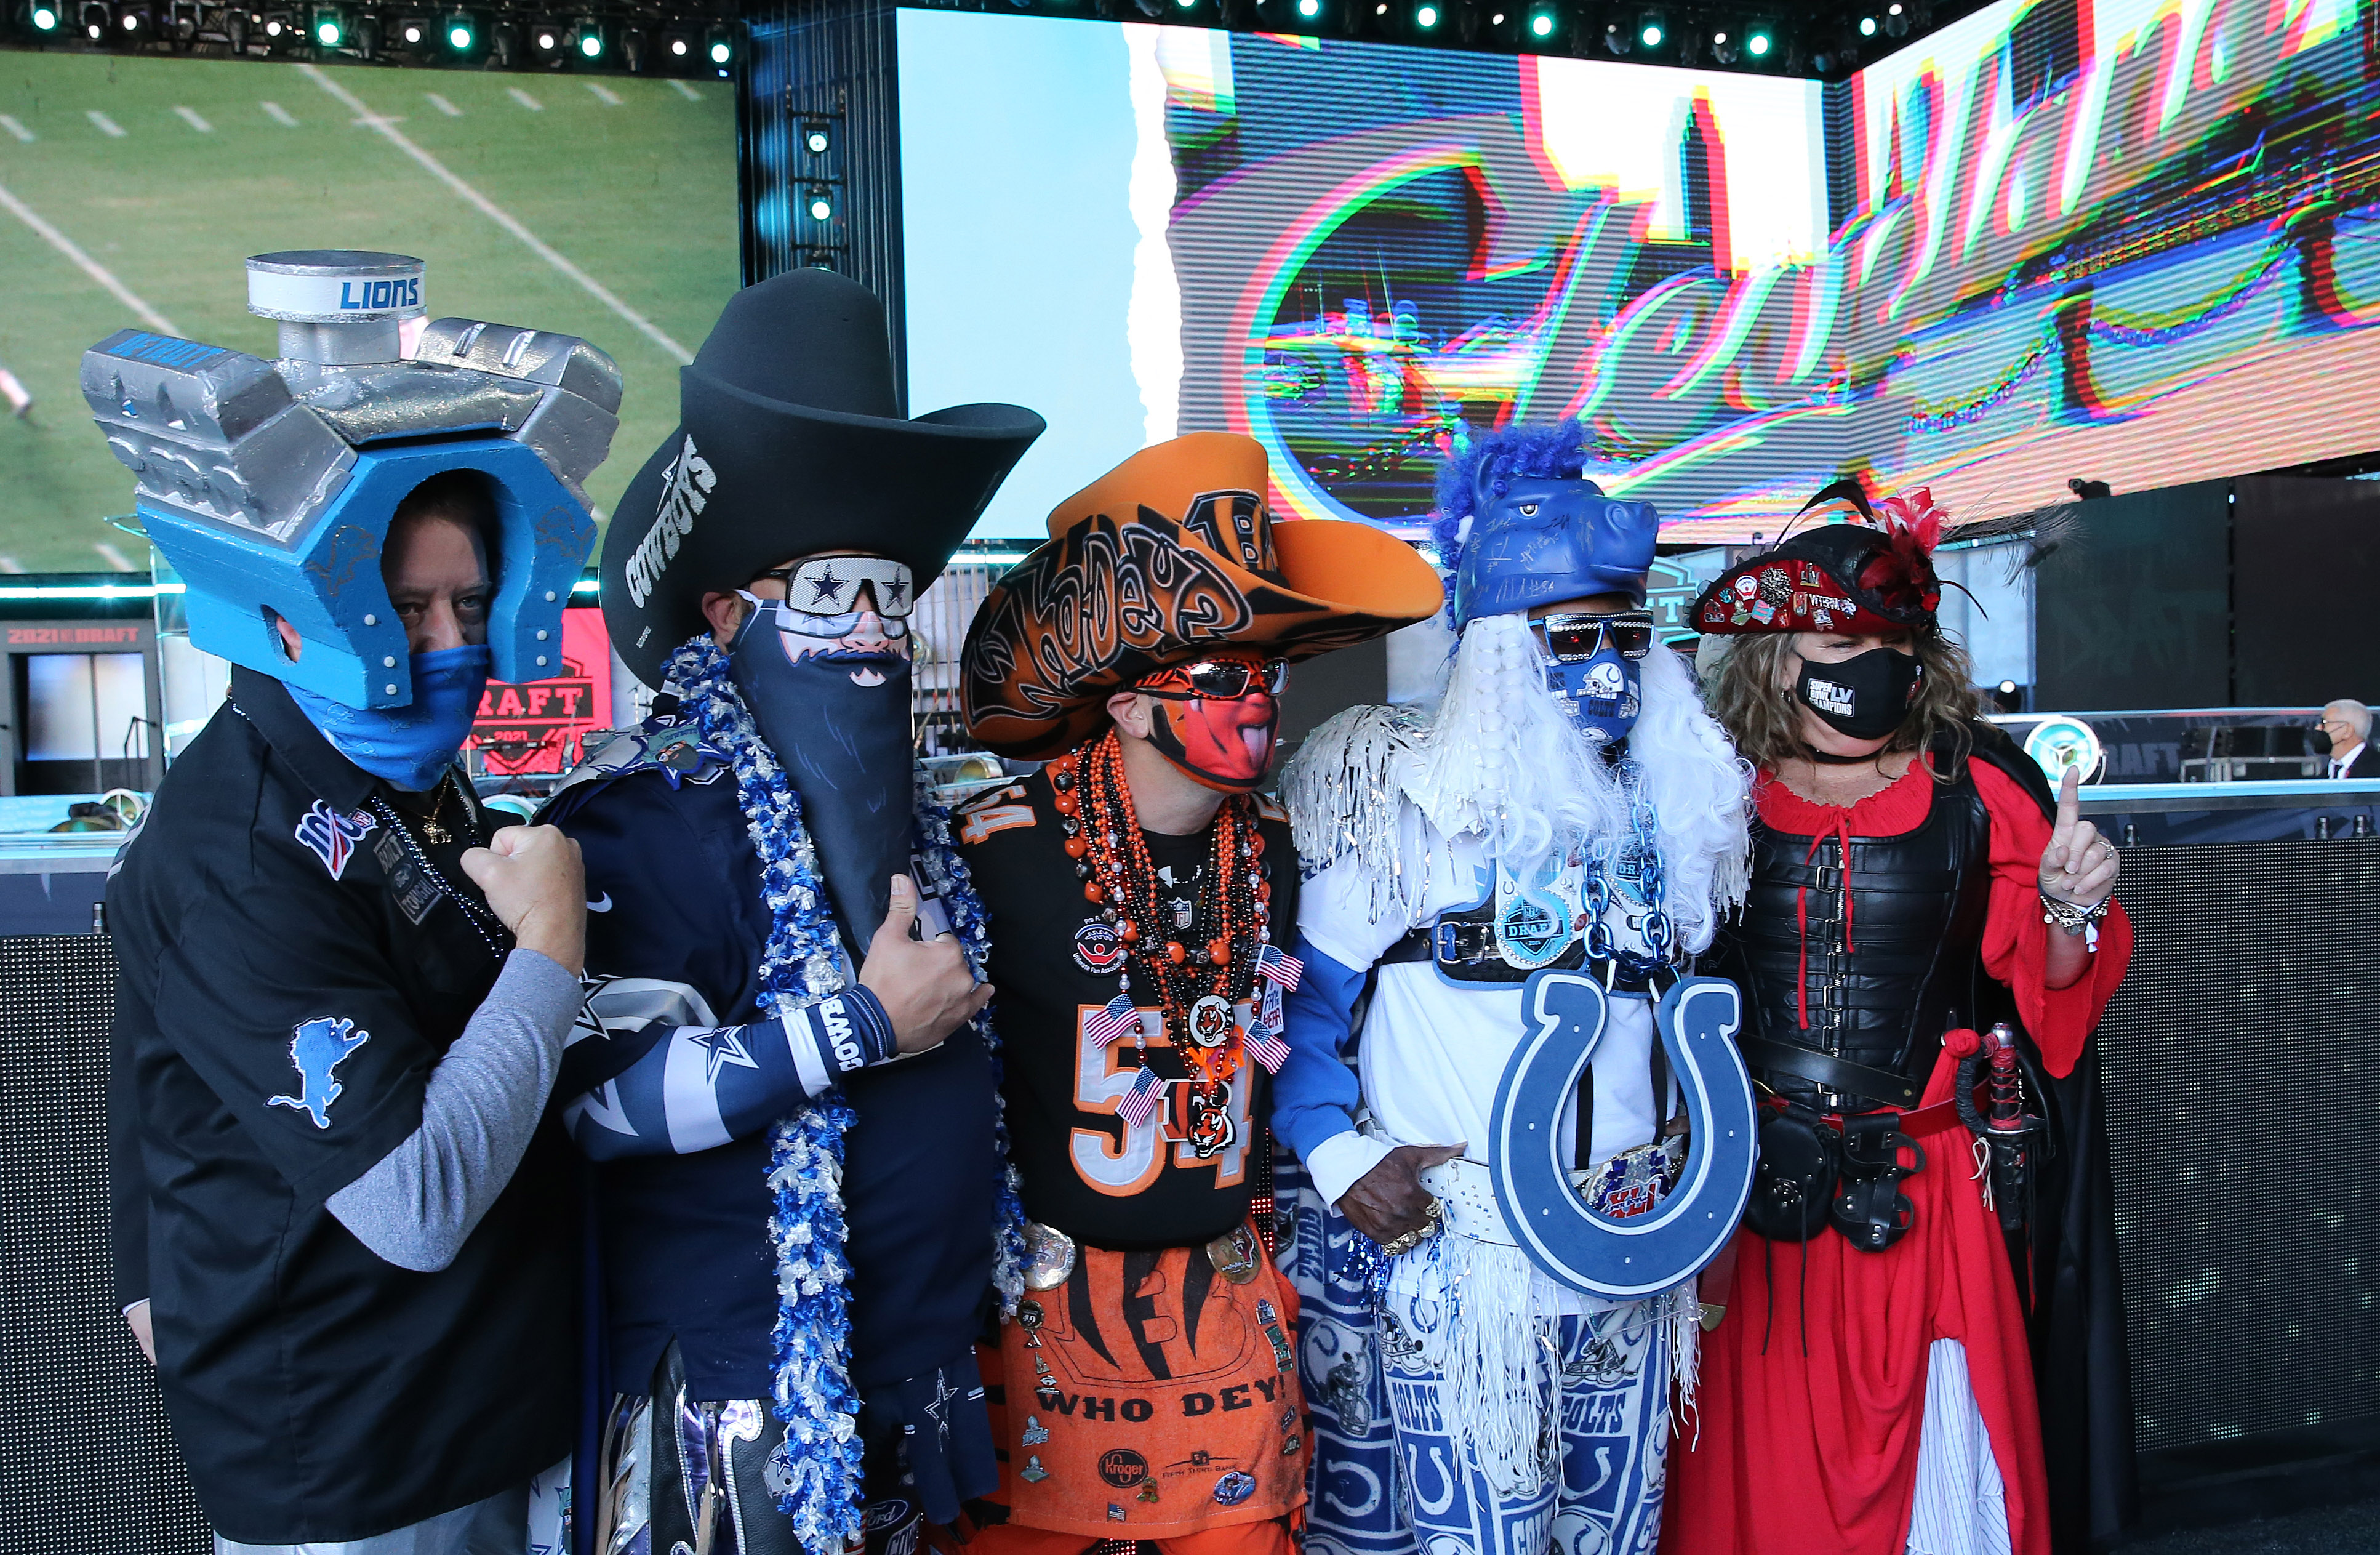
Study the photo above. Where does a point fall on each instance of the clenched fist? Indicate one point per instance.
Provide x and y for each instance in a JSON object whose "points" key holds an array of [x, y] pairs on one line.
{"points": [[534, 882], [925, 985]]}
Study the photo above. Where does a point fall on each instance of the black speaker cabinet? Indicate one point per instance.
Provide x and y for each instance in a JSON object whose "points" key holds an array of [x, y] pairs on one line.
{"points": [[87, 1464], [2242, 1100]]}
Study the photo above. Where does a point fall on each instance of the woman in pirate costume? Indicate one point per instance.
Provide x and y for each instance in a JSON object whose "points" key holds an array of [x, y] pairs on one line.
{"points": [[1554, 837], [1138, 892], [797, 1236], [1915, 884]]}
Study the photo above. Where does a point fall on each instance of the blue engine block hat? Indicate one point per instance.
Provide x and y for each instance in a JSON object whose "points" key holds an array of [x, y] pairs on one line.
{"points": [[1520, 526], [270, 485]]}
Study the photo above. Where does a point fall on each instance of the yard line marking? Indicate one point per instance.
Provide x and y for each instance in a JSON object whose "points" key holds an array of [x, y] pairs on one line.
{"points": [[602, 93], [88, 266], [191, 117], [443, 107], [107, 126], [686, 91], [113, 557], [10, 565], [497, 214], [278, 114], [525, 99], [8, 123]]}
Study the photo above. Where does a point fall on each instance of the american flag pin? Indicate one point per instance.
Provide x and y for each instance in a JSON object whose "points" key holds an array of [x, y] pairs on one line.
{"points": [[1141, 1099]]}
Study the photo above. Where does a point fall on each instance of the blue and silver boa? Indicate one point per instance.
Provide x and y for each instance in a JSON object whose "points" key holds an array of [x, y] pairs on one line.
{"points": [[817, 1477]]}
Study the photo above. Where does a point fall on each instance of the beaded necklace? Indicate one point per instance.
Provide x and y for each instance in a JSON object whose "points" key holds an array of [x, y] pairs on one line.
{"points": [[1200, 988]]}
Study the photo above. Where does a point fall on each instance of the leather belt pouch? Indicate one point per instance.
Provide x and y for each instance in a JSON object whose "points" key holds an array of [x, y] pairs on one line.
{"points": [[1801, 1160]]}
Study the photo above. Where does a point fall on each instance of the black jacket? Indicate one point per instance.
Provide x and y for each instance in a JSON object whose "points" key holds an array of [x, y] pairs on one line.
{"points": [[293, 960]]}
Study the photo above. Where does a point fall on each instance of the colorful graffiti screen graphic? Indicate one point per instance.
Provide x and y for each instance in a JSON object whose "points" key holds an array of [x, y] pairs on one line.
{"points": [[2127, 240]]}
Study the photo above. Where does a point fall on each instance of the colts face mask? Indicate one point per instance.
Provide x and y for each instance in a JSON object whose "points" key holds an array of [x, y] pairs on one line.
{"points": [[1591, 668], [1865, 698], [1215, 719]]}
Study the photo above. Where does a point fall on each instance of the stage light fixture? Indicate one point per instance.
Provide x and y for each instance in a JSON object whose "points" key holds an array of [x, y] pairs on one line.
{"points": [[543, 38], [1651, 29], [719, 48], [44, 19], [461, 36], [1309, 9], [413, 33], [1759, 42], [817, 140], [1541, 25], [820, 203], [1617, 41], [329, 30], [1725, 47], [1425, 17], [127, 19], [590, 39], [677, 48], [1867, 27], [94, 19]]}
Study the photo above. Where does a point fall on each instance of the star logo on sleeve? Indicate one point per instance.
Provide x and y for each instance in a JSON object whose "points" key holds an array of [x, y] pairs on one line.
{"points": [[722, 1046]]}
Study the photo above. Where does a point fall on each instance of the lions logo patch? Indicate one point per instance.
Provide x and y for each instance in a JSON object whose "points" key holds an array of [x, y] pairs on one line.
{"points": [[317, 1047], [1098, 949]]}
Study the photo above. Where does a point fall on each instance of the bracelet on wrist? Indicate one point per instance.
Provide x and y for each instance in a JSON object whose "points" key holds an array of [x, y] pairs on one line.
{"points": [[2071, 919]]}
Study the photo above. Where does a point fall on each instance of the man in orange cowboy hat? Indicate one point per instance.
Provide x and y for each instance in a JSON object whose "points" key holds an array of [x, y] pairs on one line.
{"points": [[1136, 886]]}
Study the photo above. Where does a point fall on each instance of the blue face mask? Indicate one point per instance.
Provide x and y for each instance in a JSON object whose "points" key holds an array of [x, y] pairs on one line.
{"points": [[1602, 694], [411, 745]]}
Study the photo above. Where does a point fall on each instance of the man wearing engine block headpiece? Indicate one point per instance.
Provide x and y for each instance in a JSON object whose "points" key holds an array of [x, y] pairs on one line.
{"points": [[343, 984], [802, 1212], [1546, 1131]]}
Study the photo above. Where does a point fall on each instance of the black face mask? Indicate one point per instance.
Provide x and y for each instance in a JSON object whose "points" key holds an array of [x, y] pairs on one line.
{"points": [[1865, 698], [838, 720]]}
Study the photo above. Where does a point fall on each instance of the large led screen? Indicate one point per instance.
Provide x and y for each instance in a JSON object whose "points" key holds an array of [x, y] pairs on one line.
{"points": [[131, 189], [2127, 241]]}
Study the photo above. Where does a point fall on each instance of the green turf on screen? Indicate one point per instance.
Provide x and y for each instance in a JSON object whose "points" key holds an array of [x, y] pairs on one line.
{"points": [[633, 184]]}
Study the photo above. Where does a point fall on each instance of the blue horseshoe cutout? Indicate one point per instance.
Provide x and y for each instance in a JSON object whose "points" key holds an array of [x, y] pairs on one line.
{"points": [[1623, 1259]]}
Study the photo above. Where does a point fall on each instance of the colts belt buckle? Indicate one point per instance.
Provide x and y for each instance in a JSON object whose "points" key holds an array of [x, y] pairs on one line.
{"points": [[1236, 1255], [1049, 1256]]}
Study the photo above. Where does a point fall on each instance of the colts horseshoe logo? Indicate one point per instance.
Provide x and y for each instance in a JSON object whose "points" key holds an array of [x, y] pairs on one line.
{"points": [[1623, 1259]]}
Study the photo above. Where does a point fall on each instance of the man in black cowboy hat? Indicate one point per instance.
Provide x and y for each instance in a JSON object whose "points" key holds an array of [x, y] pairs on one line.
{"points": [[797, 1236]]}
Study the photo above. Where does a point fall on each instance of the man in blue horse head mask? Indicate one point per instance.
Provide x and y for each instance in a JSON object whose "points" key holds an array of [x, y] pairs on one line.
{"points": [[344, 983], [786, 1080], [1564, 823]]}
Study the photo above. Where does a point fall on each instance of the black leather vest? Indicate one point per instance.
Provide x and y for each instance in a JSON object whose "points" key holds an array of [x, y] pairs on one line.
{"points": [[1918, 906]]}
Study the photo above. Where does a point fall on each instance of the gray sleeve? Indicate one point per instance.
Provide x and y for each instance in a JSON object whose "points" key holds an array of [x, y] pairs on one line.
{"points": [[418, 1205]]}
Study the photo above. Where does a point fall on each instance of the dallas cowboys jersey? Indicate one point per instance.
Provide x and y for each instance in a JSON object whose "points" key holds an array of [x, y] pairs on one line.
{"points": [[676, 926]]}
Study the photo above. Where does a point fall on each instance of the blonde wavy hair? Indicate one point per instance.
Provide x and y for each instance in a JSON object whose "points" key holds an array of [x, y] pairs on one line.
{"points": [[1750, 691]]}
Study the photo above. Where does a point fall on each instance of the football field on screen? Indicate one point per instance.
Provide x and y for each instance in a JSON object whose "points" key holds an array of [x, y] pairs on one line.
{"points": [[131, 190]]}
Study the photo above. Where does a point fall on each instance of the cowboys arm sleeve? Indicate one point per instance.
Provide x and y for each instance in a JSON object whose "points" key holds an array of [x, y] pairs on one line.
{"points": [[649, 1075], [480, 1108]]}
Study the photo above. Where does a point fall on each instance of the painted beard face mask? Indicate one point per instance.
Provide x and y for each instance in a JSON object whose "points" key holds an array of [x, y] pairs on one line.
{"points": [[830, 695], [1215, 718], [1865, 698]]}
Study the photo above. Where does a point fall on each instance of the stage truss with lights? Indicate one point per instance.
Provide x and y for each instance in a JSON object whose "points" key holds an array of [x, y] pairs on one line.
{"points": [[681, 39]]}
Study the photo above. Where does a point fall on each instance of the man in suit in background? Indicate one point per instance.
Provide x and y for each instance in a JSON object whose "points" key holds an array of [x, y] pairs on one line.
{"points": [[2347, 723]]}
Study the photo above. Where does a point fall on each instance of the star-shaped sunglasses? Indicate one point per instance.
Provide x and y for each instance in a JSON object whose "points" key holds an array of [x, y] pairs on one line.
{"points": [[822, 598], [1569, 639]]}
